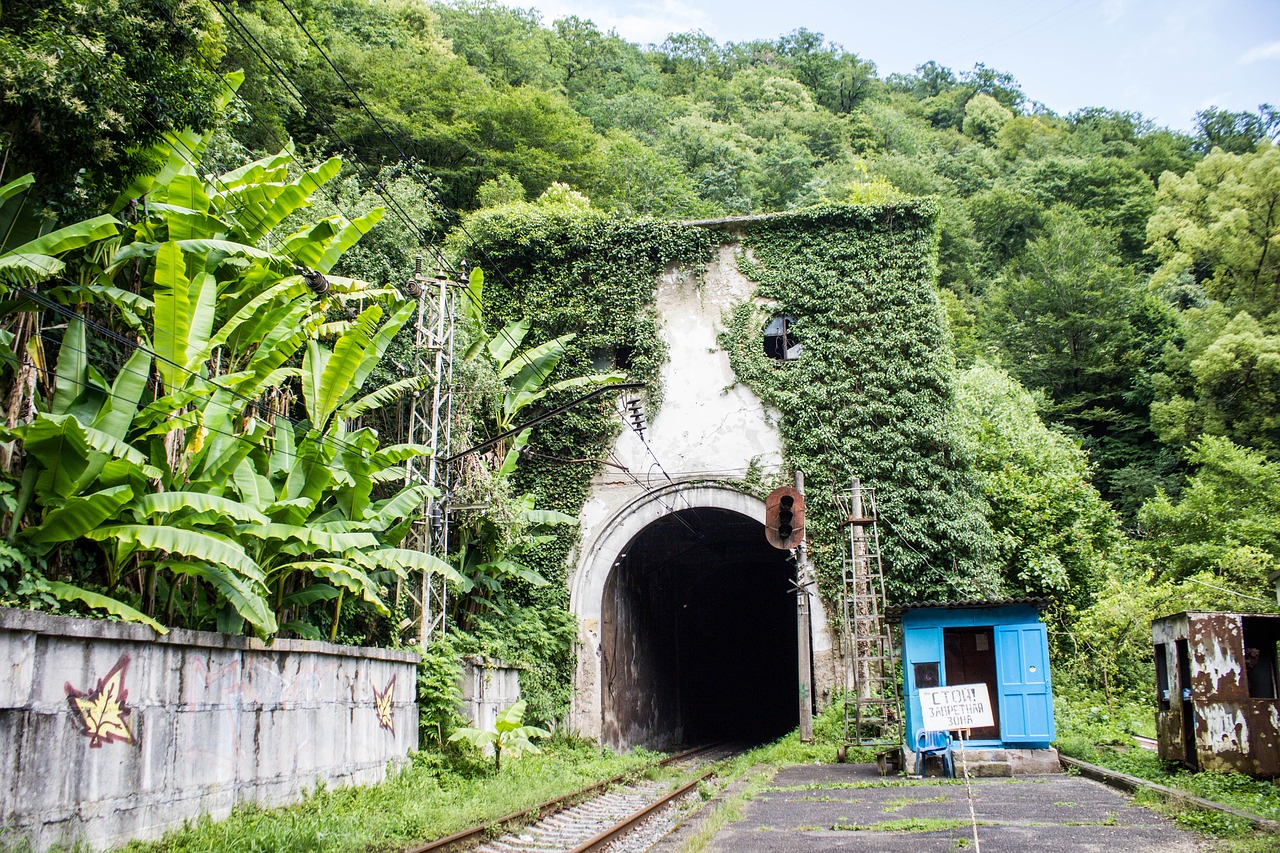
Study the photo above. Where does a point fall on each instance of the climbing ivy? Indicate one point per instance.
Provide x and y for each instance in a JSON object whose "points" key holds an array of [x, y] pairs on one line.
{"points": [[574, 270], [871, 394]]}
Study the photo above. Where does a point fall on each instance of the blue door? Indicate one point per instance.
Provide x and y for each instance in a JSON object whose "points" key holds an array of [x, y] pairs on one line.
{"points": [[1026, 700], [922, 649]]}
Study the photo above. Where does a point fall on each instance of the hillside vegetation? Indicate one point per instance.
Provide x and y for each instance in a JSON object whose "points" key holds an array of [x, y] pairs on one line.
{"points": [[1112, 292]]}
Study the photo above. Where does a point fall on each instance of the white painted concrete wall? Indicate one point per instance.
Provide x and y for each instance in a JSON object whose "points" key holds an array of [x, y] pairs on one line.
{"points": [[209, 721]]}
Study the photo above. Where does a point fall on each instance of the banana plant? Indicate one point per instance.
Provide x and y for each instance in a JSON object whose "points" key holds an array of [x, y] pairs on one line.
{"points": [[526, 372], [206, 500], [510, 735]]}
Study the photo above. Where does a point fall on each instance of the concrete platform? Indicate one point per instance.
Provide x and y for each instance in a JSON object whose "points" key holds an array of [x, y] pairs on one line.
{"points": [[851, 807]]}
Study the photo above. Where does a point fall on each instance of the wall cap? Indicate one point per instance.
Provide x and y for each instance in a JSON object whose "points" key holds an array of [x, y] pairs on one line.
{"points": [[47, 624]]}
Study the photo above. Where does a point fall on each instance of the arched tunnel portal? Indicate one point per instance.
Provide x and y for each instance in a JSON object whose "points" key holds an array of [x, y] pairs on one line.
{"points": [[698, 633]]}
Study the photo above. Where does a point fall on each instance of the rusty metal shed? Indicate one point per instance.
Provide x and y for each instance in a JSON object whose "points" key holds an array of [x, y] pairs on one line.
{"points": [[1216, 689]]}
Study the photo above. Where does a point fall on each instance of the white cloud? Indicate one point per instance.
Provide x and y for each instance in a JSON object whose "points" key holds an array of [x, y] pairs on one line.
{"points": [[1114, 10], [1261, 53], [642, 22]]}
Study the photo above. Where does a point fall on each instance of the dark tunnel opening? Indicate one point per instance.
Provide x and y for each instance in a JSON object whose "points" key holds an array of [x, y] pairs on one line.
{"points": [[699, 634]]}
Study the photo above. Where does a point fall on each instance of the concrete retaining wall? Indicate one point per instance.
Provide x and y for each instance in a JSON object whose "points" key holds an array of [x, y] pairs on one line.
{"points": [[109, 732], [488, 688]]}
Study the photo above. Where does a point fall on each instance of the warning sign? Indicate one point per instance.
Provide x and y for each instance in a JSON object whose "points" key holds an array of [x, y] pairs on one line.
{"points": [[960, 706]]}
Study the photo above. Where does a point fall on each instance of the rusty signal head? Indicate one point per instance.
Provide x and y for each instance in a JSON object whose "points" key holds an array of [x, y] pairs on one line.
{"points": [[784, 518]]}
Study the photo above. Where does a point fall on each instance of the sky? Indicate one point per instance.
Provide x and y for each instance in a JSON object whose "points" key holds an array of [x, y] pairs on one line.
{"points": [[1166, 59]]}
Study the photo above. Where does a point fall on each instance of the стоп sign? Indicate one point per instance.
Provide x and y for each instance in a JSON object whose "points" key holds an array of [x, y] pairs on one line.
{"points": [[956, 706]]}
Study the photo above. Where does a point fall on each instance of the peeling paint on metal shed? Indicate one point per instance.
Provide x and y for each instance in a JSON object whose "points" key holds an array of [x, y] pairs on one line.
{"points": [[1217, 680]]}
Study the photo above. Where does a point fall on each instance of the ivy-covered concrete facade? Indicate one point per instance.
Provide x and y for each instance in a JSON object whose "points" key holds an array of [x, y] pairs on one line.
{"points": [[670, 560]]}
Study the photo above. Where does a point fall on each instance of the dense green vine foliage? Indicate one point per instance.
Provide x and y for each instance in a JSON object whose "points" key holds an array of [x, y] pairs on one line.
{"points": [[871, 395], [574, 271]]}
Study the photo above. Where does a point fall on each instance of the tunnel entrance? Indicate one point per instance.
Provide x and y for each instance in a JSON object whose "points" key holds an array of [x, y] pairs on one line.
{"points": [[698, 634]]}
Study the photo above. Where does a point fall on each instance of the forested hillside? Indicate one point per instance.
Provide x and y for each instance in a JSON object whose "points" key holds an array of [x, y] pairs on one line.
{"points": [[1112, 287]]}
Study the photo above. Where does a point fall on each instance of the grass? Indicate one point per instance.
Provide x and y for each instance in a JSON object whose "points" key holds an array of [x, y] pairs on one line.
{"points": [[1093, 734], [1099, 734], [431, 798], [909, 824], [898, 804], [728, 810]]}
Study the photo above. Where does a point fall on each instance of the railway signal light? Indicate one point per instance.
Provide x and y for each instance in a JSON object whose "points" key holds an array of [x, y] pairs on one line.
{"points": [[784, 518]]}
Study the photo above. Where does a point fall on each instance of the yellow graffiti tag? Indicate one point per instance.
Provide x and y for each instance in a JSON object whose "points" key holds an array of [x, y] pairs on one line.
{"points": [[102, 712]]}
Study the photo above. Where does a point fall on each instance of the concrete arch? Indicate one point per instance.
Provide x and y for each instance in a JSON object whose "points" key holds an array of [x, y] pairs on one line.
{"points": [[602, 551]]}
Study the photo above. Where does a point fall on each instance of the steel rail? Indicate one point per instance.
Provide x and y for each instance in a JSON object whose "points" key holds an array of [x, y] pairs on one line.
{"points": [[459, 840], [622, 827]]}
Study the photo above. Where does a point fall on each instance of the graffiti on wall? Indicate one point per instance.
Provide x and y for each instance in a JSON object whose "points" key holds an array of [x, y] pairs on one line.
{"points": [[102, 714], [382, 703]]}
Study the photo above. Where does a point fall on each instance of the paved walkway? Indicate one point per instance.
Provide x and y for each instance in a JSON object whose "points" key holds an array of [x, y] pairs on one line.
{"points": [[815, 808]]}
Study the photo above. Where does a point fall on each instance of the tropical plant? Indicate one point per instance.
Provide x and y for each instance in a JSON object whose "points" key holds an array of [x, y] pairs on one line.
{"points": [[188, 466], [510, 735]]}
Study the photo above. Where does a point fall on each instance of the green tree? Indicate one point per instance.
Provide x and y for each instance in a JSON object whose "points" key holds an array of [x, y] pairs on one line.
{"points": [[1077, 325], [508, 45], [1055, 535], [1226, 523], [1237, 133], [89, 86], [1220, 223], [984, 117]]}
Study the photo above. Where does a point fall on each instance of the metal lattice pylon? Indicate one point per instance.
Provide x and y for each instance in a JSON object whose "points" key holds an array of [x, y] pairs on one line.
{"points": [[873, 710], [430, 423]]}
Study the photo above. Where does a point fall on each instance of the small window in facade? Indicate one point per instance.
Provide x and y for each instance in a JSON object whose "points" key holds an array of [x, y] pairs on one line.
{"points": [[1260, 637], [780, 341], [926, 675]]}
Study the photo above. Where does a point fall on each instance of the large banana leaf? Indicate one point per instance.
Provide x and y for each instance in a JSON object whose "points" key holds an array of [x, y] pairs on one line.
{"points": [[268, 205], [79, 515], [512, 569], [17, 222], [472, 297], [344, 575], [400, 559], [504, 344], [532, 367], [75, 236], [285, 289], [248, 598], [255, 490], [338, 379], [394, 454], [381, 340], [311, 539], [67, 592], [409, 501], [118, 412], [140, 250], [73, 367], [188, 543], [384, 396], [59, 444], [515, 401], [112, 446], [273, 167], [173, 311], [168, 503], [36, 260], [322, 245], [309, 594]]}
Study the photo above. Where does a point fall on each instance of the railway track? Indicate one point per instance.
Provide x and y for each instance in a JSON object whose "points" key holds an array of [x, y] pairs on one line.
{"points": [[590, 819]]}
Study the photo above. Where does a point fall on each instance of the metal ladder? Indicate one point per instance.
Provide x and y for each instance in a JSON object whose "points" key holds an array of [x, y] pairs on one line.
{"points": [[872, 704]]}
